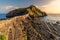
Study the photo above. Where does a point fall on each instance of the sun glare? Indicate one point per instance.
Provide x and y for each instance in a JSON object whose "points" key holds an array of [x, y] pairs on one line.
{"points": [[52, 7]]}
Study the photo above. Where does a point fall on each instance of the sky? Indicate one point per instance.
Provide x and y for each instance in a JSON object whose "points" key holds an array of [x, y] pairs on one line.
{"points": [[52, 7], [49, 6]]}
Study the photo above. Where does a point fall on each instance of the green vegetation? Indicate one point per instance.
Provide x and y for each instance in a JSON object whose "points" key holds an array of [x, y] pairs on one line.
{"points": [[2, 37], [24, 36]]}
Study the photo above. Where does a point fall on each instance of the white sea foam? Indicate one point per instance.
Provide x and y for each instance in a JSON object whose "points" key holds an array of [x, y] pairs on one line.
{"points": [[51, 18]]}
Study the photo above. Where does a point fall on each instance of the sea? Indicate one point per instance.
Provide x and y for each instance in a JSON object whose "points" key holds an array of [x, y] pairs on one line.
{"points": [[53, 18], [48, 18], [2, 15]]}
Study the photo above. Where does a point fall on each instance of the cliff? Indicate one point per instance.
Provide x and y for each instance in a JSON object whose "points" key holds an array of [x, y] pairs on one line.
{"points": [[32, 10], [29, 27]]}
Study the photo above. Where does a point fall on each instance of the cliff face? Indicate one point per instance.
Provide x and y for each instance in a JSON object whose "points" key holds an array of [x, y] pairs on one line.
{"points": [[32, 10], [29, 27]]}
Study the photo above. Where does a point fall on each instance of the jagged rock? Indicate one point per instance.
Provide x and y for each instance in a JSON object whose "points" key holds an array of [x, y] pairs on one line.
{"points": [[29, 27], [22, 11]]}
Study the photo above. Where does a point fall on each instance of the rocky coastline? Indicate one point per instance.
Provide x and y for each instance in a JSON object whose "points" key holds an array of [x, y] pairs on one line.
{"points": [[27, 25]]}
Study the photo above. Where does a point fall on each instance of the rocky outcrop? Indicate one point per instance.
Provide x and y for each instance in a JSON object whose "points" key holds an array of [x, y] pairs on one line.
{"points": [[29, 27], [22, 11]]}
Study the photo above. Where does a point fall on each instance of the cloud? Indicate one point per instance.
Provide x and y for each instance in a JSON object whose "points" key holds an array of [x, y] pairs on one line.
{"points": [[21, 3], [10, 7], [6, 9], [42, 2], [52, 7]]}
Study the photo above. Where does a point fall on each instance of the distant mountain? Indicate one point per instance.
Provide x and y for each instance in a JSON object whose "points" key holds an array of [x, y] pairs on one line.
{"points": [[31, 10]]}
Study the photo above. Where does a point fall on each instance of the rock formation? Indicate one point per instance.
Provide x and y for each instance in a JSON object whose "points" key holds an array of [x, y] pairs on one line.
{"points": [[29, 27], [21, 11]]}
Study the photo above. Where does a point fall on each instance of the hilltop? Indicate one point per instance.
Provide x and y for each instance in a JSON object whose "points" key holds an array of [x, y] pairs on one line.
{"points": [[31, 10], [28, 26]]}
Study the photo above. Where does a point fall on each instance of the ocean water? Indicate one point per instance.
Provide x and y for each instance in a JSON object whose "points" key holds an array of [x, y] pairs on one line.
{"points": [[2, 16], [48, 18], [51, 18]]}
